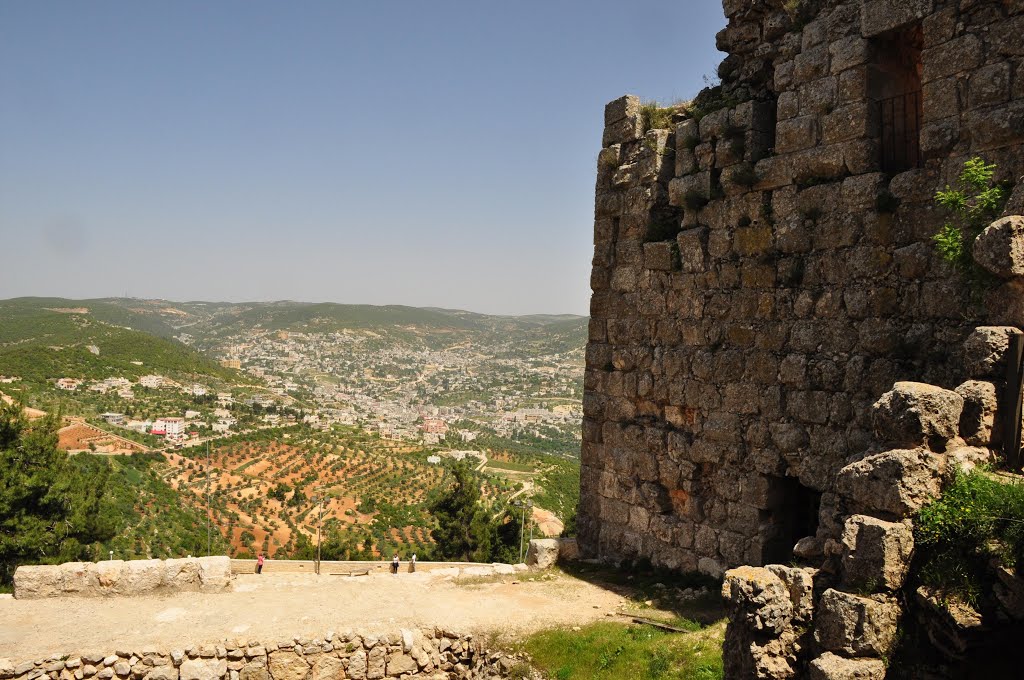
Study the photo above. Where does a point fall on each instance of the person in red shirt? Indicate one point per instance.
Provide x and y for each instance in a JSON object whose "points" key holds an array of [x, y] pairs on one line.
{"points": [[259, 563]]}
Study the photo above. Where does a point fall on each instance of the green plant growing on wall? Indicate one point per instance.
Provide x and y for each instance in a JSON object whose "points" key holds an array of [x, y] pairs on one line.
{"points": [[800, 12], [656, 117], [979, 517], [792, 7], [973, 205]]}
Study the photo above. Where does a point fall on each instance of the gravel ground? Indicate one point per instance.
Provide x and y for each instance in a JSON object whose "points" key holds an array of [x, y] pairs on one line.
{"points": [[273, 607]]}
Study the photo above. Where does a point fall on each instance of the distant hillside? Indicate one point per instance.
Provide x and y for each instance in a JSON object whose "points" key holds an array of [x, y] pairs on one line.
{"points": [[553, 337], [44, 339], [109, 311], [207, 321], [326, 317], [48, 338]]}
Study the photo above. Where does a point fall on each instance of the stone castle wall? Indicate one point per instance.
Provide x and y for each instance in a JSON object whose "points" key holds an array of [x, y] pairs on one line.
{"points": [[759, 281]]}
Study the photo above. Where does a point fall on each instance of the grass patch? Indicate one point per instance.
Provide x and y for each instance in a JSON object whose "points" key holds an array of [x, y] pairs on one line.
{"points": [[520, 576], [656, 117], [980, 516], [247, 464], [508, 465], [616, 650]]}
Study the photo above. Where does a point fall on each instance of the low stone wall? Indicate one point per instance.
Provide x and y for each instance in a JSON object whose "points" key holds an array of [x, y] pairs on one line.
{"points": [[423, 653], [119, 577], [339, 567]]}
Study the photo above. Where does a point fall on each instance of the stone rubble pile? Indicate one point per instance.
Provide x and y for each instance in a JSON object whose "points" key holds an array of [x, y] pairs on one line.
{"points": [[429, 653], [838, 620]]}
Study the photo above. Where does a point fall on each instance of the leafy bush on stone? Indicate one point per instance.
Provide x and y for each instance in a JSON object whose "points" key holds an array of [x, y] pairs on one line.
{"points": [[977, 518], [656, 117], [973, 204]]}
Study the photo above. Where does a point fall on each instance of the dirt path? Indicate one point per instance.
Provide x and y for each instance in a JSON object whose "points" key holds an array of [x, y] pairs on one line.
{"points": [[273, 607]]}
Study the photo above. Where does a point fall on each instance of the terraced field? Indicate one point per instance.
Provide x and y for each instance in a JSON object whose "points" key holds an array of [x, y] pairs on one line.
{"points": [[264, 493]]}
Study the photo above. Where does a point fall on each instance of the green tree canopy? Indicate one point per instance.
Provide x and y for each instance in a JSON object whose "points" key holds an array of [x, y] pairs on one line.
{"points": [[50, 510], [465, 530]]}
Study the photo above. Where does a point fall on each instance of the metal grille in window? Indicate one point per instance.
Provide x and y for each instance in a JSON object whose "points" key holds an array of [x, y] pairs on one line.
{"points": [[900, 118]]}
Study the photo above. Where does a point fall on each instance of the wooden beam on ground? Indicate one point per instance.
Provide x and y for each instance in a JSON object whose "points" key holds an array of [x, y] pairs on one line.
{"points": [[1012, 401], [658, 624]]}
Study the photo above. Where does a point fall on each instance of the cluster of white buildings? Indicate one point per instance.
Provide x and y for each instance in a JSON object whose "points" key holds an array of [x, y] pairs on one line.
{"points": [[123, 386]]}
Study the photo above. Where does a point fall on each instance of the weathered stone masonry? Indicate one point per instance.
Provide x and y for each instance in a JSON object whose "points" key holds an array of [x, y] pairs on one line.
{"points": [[428, 653], [731, 366]]}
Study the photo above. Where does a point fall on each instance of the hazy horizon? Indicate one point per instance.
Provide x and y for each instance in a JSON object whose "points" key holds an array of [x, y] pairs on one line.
{"points": [[200, 301], [438, 155]]}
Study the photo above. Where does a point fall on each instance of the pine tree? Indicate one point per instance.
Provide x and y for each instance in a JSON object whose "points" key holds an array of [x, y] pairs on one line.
{"points": [[50, 510], [464, 529]]}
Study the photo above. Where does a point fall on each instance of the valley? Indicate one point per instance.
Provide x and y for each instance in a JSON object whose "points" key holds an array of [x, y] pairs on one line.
{"points": [[276, 423]]}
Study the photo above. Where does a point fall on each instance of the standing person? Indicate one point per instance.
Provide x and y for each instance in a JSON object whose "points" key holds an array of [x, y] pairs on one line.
{"points": [[394, 564], [412, 563], [259, 563]]}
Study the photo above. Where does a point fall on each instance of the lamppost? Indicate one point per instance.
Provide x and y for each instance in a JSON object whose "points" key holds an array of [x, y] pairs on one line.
{"points": [[319, 500], [530, 506], [524, 505], [208, 515]]}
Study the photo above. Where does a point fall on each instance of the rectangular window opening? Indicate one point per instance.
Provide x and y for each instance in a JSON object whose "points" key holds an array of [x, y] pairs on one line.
{"points": [[894, 85]]}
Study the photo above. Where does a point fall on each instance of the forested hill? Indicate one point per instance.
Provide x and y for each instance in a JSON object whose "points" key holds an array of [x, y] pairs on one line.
{"points": [[42, 339]]}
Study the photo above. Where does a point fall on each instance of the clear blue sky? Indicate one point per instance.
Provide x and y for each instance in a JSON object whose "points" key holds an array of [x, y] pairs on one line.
{"points": [[429, 153]]}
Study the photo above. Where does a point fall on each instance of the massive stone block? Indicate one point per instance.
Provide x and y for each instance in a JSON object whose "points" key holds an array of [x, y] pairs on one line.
{"points": [[979, 414], [854, 625], [916, 414], [623, 122], [1000, 248], [543, 552], [892, 484], [758, 599], [876, 554], [829, 666], [881, 16], [985, 351], [204, 669]]}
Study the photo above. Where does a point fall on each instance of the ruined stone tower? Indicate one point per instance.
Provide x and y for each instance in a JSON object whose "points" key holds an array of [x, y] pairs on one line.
{"points": [[764, 268]]}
